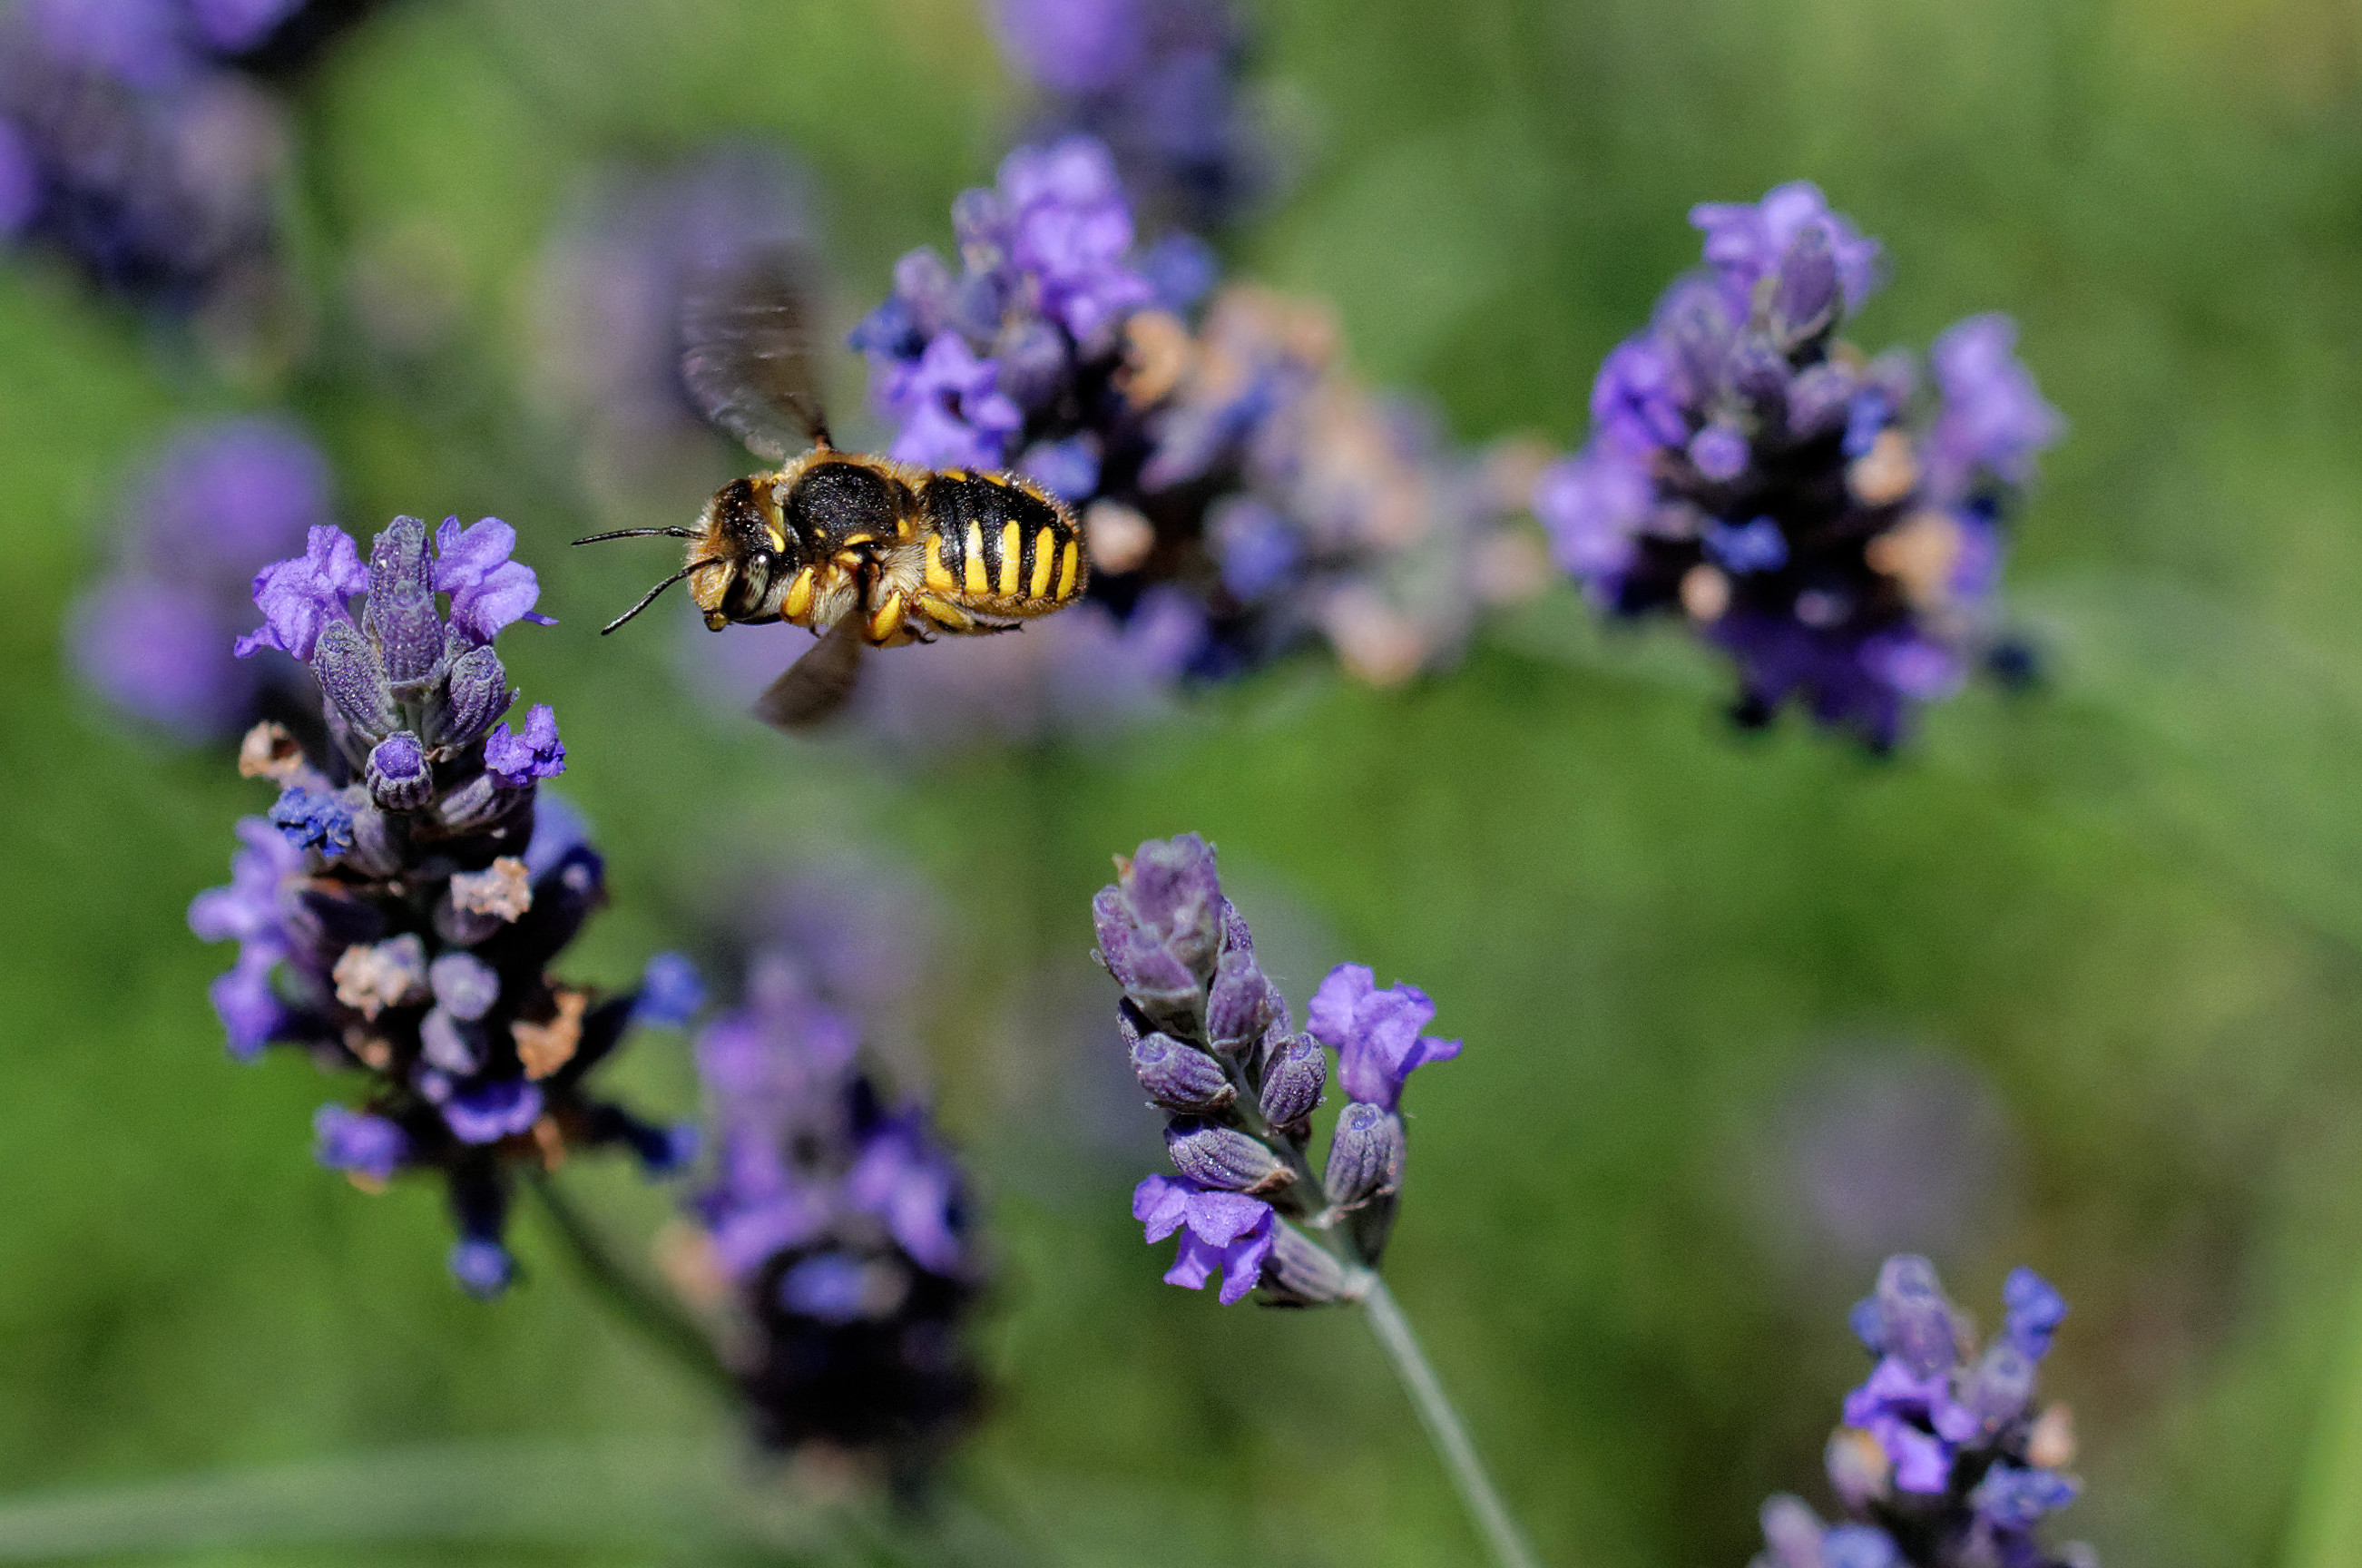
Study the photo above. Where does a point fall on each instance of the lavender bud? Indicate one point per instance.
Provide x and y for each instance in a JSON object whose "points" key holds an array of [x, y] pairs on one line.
{"points": [[399, 779], [1818, 400], [1173, 894], [1915, 1320], [464, 983], [349, 673], [1224, 1158], [1152, 976], [1293, 1079], [448, 1043], [1759, 371], [402, 603], [472, 805], [1805, 297], [1301, 1269], [1178, 1077], [471, 699], [377, 848], [1792, 1531], [1033, 360], [1365, 1157], [2000, 1388], [1238, 1007]]}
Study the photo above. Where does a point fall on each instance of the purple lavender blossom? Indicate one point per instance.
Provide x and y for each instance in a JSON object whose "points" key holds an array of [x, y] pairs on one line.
{"points": [[518, 759], [1159, 83], [1945, 1461], [1227, 1233], [1226, 468], [398, 909], [138, 158], [950, 407], [359, 1143], [1211, 1042], [1375, 1033], [1808, 510], [153, 636], [840, 1230]]}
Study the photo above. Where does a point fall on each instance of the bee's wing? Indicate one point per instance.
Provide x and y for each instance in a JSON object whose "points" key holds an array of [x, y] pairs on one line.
{"points": [[749, 338], [817, 684]]}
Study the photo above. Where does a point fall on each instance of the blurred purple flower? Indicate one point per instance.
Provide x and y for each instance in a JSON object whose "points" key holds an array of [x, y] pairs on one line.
{"points": [[1944, 1461], [1750, 472], [840, 1228], [1749, 242], [951, 411]]}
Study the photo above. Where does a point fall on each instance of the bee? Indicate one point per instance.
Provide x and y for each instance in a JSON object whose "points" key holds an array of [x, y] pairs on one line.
{"points": [[863, 551]]}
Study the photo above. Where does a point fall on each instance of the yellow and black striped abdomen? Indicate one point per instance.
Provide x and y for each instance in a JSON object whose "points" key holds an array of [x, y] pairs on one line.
{"points": [[1000, 546]]}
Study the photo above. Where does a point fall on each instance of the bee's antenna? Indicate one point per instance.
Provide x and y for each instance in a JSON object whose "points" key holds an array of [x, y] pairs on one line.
{"points": [[640, 534], [650, 597]]}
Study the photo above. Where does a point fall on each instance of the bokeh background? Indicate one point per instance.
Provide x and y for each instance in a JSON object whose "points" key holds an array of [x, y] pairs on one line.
{"points": [[2073, 980]]}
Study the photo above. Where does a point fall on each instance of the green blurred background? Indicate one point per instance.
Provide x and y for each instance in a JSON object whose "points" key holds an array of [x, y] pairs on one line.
{"points": [[2102, 941]]}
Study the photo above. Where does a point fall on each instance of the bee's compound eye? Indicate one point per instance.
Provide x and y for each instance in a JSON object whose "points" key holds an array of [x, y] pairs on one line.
{"points": [[749, 584]]}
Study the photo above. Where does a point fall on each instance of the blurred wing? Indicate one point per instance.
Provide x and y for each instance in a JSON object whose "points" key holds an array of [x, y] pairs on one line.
{"points": [[749, 338], [817, 684]]}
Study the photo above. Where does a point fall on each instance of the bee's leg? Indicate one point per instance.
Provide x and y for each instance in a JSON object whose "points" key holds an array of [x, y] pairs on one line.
{"points": [[888, 623], [943, 615]]}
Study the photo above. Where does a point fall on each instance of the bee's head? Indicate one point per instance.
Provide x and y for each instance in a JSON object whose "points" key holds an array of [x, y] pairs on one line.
{"points": [[743, 558], [740, 557]]}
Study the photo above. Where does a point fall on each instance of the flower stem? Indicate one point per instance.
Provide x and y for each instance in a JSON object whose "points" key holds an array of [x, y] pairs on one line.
{"points": [[658, 1319], [1485, 1506]]}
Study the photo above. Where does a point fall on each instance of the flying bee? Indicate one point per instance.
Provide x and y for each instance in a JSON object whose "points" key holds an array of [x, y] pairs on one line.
{"points": [[863, 551]]}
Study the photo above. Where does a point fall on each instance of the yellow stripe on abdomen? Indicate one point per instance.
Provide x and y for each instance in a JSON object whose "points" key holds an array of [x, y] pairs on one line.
{"points": [[1070, 561], [1012, 544], [976, 581], [939, 575], [1045, 561]]}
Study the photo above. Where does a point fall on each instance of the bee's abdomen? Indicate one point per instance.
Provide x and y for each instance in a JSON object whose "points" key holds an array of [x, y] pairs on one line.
{"points": [[998, 545]]}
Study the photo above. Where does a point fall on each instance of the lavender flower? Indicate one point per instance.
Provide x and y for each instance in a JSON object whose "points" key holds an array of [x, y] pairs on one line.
{"points": [[222, 498], [398, 909], [1944, 1461], [838, 1227], [1229, 468], [1158, 82], [1212, 1040], [138, 158], [1810, 510]]}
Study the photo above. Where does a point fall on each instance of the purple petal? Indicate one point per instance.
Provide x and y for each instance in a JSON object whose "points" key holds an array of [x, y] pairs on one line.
{"points": [[299, 596], [489, 591]]}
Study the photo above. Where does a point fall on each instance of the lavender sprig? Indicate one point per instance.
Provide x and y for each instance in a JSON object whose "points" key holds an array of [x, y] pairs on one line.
{"points": [[399, 907], [1945, 1460], [838, 1228], [1160, 83], [1812, 511], [1235, 481], [1213, 1044]]}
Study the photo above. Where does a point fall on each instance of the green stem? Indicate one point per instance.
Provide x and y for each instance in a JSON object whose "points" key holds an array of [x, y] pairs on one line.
{"points": [[662, 1323], [1490, 1515]]}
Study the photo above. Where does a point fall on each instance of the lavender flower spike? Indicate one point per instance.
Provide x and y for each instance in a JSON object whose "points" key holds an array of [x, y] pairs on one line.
{"points": [[1808, 509], [1197, 1009], [835, 1229], [1945, 1461], [399, 908]]}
